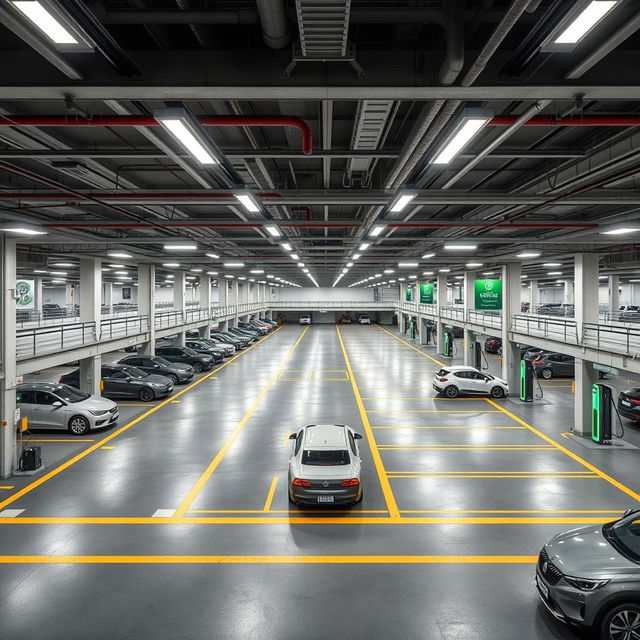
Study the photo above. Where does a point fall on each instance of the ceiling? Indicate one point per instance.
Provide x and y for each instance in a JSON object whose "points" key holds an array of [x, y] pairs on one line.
{"points": [[326, 115]]}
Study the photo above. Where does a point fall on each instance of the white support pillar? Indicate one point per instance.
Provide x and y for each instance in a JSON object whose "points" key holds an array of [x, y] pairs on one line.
{"points": [[147, 304], [107, 295], [469, 283], [179, 300], [8, 450], [37, 300], [90, 304], [511, 304], [568, 294], [441, 301], [534, 295], [234, 300], [205, 303], [223, 300], [614, 294], [69, 296], [586, 310]]}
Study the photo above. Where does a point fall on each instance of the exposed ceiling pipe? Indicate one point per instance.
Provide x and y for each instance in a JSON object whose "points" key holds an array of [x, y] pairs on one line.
{"points": [[439, 112], [276, 29], [519, 122], [454, 30], [150, 121]]}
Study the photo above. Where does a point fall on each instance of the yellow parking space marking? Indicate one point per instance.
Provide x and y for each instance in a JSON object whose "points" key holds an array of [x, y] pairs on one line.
{"points": [[548, 471], [61, 440], [431, 411], [570, 453], [456, 427], [529, 477], [461, 447], [410, 346], [176, 401], [94, 447], [213, 465], [389, 498], [7, 487], [272, 491], [281, 559], [422, 398], [285, 442], [289, 511], [138, 404], [109, 447], [545, 511]]}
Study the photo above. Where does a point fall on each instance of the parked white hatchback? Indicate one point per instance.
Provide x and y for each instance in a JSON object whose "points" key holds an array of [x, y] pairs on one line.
{"points": [[453, 381], [305, 319], [364, 319], [325, 465]]}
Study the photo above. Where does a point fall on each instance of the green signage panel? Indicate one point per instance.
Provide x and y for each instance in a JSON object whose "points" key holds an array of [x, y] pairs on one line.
{"points": [[407, 295], [426, 293], [488, 294]]}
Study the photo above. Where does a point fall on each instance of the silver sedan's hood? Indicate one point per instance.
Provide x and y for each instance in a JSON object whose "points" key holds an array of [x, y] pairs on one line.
{"points": [[95, 403], [586, 553]]}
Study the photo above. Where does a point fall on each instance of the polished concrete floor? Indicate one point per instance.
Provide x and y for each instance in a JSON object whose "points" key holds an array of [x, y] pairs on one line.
{"points": [[177, 523]]}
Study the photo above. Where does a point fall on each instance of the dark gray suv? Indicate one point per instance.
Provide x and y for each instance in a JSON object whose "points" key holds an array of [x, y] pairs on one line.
{"points": [[590, 577]]}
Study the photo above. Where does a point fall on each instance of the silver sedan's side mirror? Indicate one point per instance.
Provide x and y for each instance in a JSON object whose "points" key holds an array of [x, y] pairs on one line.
{"points": [[293, 436], [57, 404], [357, 436]]}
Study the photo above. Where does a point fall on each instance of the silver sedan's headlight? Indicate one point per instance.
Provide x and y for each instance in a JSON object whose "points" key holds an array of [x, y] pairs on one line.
{"points": [[584, 584], [98, 412]]}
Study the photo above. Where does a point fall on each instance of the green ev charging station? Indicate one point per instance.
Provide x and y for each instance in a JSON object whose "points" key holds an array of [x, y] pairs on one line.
{"points": [[448, 344], [601, 402], [412, 329], [526, 380]]}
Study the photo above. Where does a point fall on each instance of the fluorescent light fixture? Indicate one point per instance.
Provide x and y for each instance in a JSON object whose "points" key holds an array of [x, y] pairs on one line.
{"points": [[45, 271], [364, 246], [189, 134], [634, 279], [401, 201], [247, 200], [170, 276], [611, 232], [256, 271], [426, 256], [196, 270], [523, 276], [58, 273], [119, 254], [286, 246], [469, 124], [462, 277], [184, 245], [21, 229], [488, 273], [117, 266], [305, 271], [554, 273], [212, 273], [602, 277], [62, 264], [407, 265], [349, 264], [242, 277], [377, 230], [410, 278], [233, 265], [391, 281], [356, 256], [444, 270], [228, 275], [120, 273], [125, 278], [528, 254], [215, 256], [460, 247], [472, 265], [57, 282], [295, 256], [270, 276], [301, 264], [581, 24], [273, 230], [552, 264], [401, 279], [171, 265], [55, 24], [389, 271]]}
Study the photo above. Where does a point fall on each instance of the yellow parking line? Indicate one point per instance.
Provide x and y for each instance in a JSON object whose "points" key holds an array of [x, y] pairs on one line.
{"points": [[279, 559], [61, 440], [115, 434], [138, 404], [531, 477], [389, 498], [7, 486], [569, 453], [410, 346], [430, 411], [486, 471], [545, 511], [463, 448], [213, 465], [289, 511], [107, 447], [272, 491], [468, 428]]}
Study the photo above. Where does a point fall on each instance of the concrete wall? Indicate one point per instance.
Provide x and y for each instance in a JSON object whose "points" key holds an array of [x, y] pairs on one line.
{"points": [[324, 294]]}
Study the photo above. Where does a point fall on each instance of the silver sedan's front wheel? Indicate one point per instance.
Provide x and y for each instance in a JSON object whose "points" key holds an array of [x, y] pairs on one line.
{"points": [[622, 623], [79, 425]]}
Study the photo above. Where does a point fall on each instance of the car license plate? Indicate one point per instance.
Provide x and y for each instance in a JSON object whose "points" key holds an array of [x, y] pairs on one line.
{"points": [[625, 403], [543, 587], [325, 498]]}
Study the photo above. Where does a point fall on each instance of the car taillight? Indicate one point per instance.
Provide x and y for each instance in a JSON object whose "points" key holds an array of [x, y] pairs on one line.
{"points": [[443, 379], [298, 482], [352, 482], [537, 360], [61, 381]]}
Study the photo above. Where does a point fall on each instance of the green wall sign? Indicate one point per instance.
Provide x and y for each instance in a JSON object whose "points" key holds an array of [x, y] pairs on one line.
{"points": [[407, 294], [488, 294], [426, 293]]}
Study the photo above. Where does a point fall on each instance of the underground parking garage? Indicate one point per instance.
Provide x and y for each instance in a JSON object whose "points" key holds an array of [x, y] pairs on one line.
{"points": [[319, 319]]}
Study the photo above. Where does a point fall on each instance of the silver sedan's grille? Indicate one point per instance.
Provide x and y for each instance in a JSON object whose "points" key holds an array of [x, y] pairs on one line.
{"points": [[549, 570]]}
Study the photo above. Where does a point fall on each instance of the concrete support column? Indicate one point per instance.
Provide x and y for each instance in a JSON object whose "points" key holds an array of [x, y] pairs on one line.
{"points": [[234, 300], [511, 304], [147, 304], [469, 303], [107, 296], [614, 294], [223, 300], [8, 451], [441, 301], [179, 300], [205, 303], [37, 295], [534, 295], [586, 310], [568, 295], [69, 296], [90, 303]]}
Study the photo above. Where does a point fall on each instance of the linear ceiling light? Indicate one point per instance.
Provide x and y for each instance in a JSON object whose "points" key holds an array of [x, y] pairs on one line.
{"points": [[215, 256], [468, 126], [273, 230], [286, 246], [528, 254], [578, 22], [364, 246], [233, 265], [460, 247], [119, 254], [171, 265], [377, 230], [426, 256], [407, 265], [21, 229], [188, 132], [55, 24], [184, 245], [247, 200], [401, 201], [295, 256], [471, 265], [611, 232]]}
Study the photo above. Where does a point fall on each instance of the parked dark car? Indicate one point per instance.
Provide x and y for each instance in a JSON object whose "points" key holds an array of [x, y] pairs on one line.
{"points": [[251, 327], [177, 373], [226, 348], [629, 404], [238, 341], [550, 365], [252, 336], [458, 332], [50, 310], [530, 353], [218, 338], [184, 355], [125, 381], [273, 323], [262, 323], [202, 347], [493, 345]]}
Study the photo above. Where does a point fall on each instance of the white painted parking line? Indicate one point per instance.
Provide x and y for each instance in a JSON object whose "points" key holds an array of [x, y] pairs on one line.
{"points": [[10, 513], [163, 513]]}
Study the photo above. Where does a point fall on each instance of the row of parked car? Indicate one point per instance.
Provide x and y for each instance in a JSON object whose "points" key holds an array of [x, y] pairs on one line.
{"points": [[62, 405]]}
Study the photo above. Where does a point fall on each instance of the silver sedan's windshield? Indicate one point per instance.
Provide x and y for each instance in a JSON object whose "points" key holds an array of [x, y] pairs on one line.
{"points": [[325, 458]]}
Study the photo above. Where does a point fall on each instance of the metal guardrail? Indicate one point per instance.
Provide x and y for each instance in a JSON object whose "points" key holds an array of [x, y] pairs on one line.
{"points": [[554, 329], [337, 305], [602, 336]]}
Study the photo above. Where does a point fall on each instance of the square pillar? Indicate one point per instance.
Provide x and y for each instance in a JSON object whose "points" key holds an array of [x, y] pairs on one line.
{"points": [[91, 292], [469, 301], [37, 300], [441, 301], [568, 295], [91, 374], [205, 303], [180, 301], [70, 298], [147, 304], [234, 301], [534, 295], [8, 444], [107, 295], [614, 294], [511, 304]]}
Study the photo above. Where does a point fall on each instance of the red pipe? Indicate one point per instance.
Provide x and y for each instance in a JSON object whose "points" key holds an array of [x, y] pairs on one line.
{"points": [[125, 195], [150, 121], [586, 121]]}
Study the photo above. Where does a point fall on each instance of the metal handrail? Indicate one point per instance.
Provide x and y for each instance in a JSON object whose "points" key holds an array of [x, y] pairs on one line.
{"points": [[542, 327]]}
